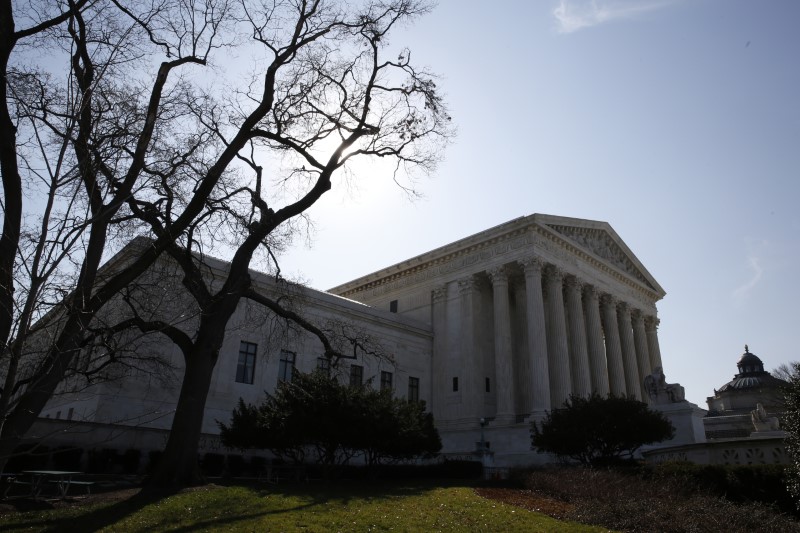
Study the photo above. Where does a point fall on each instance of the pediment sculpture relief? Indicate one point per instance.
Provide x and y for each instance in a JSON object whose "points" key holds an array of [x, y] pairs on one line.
{"points": [[602, 245]]}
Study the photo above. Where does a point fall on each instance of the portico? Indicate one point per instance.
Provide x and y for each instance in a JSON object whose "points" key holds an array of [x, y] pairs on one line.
{"points": [[523, 315]]}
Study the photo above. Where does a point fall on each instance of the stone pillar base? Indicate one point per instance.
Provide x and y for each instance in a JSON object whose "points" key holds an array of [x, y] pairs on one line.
{"points": [[688, 421]]}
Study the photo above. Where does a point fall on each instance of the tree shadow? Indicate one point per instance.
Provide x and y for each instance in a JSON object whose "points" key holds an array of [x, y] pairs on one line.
{"points": [[108, 515]]}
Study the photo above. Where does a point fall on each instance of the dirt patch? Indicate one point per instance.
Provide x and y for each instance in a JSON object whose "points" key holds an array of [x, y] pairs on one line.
{"points": [[527, 499]]}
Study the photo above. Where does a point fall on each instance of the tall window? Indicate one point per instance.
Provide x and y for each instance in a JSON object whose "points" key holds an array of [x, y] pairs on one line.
{"points": [[245, 369], [413, 389], [286, 368], [386, 380], [324, 365], [356, 375], [455, 384]]}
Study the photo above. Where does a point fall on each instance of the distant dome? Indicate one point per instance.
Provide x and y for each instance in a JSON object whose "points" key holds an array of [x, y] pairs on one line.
{"points": [[749, 363], [751, 375]]}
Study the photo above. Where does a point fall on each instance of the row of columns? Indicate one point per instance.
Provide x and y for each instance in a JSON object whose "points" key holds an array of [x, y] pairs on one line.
{"points": [[578, 340]]}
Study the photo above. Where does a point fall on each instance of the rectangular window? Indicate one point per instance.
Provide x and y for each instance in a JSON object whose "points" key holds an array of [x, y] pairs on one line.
{"points": [[386, 380], [488, 385], [356, 375], [286, 367], [455, 384], [324, 365], [413, 389], [393, 306], [245, 369]]}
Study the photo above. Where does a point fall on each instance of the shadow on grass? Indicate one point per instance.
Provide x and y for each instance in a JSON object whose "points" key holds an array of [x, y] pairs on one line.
{"points": [[344, 491], [107, 515], [311, 494], [318, 494]]}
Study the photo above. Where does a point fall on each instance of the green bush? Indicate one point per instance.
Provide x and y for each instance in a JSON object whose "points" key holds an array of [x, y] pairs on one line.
{"points": [[459, 469], [102, 461], [736, 483], [67, 458], [153, 457], [28, 456], [664, 498], [258, 465], [130, 461], [212, 464], [599, 430], [236, 465]]}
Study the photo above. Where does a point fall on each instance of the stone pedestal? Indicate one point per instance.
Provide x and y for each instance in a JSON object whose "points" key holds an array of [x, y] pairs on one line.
{"points": [[688, 421]]}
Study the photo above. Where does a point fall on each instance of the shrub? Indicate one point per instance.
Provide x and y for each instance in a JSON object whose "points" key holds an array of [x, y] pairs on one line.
{"points": [[67, 458], [314, 414], [790, 423], [600, 430], [459, 469], [212, 464], [130, 461], [258, 465], [28, 456], [652, 500], [236, 465], [153, 457]]}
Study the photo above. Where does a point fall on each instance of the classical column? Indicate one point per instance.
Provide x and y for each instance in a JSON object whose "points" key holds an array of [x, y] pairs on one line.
{"points": [[439, 376], [651, 327], [557, 349], [628, 351], [578, 354], [471, 369], [616, 373], [539, 379], [594, 334], [642, 353], [504, 377]]}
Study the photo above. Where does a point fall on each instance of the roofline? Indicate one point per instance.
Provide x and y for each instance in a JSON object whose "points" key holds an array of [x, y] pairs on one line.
{"points": [[517, 226]]}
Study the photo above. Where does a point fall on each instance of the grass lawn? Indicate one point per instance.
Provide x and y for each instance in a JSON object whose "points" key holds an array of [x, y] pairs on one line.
{"points": [[323, 508]]}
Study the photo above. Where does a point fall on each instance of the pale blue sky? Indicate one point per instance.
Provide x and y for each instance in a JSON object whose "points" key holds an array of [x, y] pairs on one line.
{"points": [[677, 122]]}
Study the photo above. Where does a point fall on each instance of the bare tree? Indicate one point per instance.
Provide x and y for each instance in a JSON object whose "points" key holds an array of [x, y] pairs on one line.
{"points": [[324, 98], [785, 371], [142, 151], [81, 130]]}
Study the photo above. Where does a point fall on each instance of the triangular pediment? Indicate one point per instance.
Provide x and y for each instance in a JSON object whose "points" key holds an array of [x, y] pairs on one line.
{"points": [[600, 240]]}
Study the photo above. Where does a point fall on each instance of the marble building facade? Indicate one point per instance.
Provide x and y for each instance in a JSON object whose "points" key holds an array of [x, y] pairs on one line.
{"points": [[491, 331], [523, 315]]}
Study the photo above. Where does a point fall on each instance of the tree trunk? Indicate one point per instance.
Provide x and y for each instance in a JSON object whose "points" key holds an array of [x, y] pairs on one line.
{"points": [[178, 465]]}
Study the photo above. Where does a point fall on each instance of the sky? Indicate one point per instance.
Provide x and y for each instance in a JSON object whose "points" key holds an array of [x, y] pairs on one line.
{"points": [[675, 121]]}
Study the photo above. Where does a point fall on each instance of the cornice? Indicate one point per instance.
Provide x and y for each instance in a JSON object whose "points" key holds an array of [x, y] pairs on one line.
{"points": [[543, 241]]}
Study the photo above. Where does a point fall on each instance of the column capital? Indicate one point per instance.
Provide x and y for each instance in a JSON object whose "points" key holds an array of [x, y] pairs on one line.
{"points": [[553, 274], [498, 275], [591, 292], [573, 283], [637, 315], [532, 264], [623, 307], [439, 293], [651, 322], [467, 285], [608, 299]]}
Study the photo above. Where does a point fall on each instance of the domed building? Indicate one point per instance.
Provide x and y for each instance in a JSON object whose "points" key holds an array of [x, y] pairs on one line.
{"points": [[742, 425], [750, 403]]}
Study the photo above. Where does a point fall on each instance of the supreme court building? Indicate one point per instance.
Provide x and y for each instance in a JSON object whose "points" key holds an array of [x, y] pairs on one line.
{"points": [[491, 331], [523, 315]]}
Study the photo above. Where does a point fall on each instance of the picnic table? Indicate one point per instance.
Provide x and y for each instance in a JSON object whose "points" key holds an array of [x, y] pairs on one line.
{"points": [[61, 478]]}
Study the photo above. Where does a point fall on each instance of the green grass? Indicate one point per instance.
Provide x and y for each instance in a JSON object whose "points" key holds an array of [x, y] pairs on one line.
{"points": [[346, 507]]}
